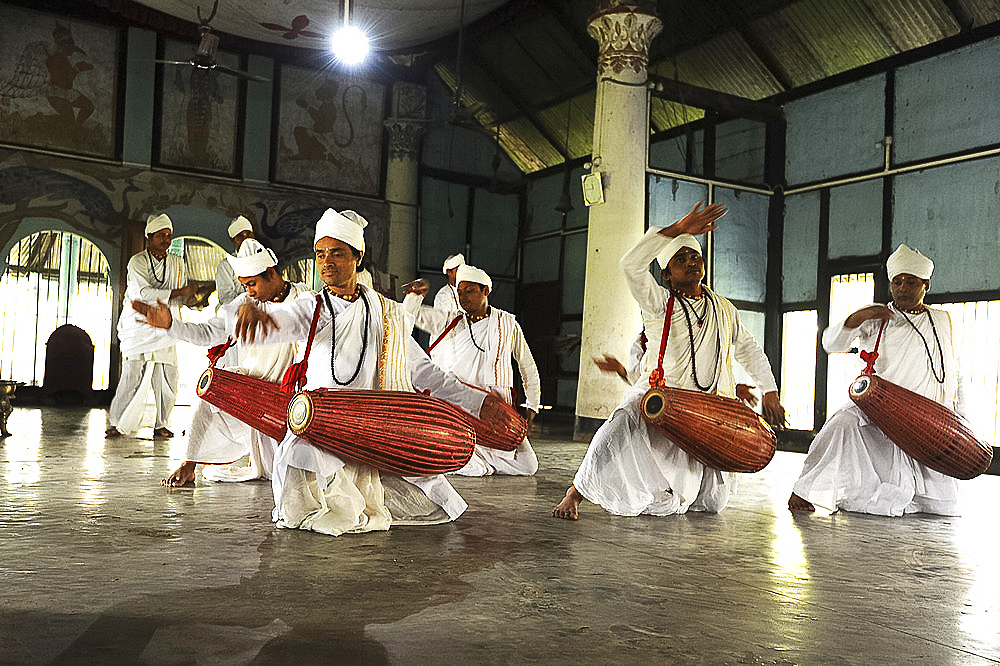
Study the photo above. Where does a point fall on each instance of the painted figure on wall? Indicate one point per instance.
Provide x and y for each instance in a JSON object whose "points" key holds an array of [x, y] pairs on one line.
{"points": [[51, 73]]}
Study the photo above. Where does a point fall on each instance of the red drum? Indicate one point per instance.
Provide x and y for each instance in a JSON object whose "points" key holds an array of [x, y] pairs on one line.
{"points": [[258, 403], [409, 434], [926, 430], [509, 435], [720, 432]]}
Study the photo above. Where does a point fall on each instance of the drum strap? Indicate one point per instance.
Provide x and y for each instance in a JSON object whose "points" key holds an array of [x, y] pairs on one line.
{"points": [[295, 376], [445, 332], [656, 377], [870, 357], [218, 351]]}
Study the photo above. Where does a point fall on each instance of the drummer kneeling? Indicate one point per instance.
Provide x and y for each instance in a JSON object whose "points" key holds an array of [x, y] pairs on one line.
{"points": [[851, 464]]}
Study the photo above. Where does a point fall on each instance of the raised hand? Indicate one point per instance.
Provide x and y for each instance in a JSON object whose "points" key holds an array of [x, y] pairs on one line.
{"points": [[774, 412], [611, 365], [418, 287], [698, 221], [251, 321]]}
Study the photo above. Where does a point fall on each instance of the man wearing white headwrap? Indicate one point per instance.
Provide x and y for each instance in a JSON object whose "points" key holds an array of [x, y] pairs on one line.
{"points": [[149, 356], [227, 286], [216, 438], [447, 297], [360, 343], [630, 467], [479, 341], [851, 464]]}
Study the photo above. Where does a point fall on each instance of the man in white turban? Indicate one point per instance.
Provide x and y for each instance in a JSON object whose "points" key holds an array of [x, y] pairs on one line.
{"points": [[479, 341], [360, 343], [851, 464], [227, 284], [630, 467], [149, 357], [216, 438]]}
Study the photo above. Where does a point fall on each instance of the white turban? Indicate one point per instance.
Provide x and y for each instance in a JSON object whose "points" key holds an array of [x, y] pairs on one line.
{"points": [[155, 223], [675, 244], [454, 261], [348, 227], [251, 259], [908, 260], [467, 273], [239, 225]]}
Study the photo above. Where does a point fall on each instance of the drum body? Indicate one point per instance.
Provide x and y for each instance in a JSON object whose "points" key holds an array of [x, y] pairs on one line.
{"points": [[926, 430], [506, 437], [260, 404], [720, 432], [409, 434]]}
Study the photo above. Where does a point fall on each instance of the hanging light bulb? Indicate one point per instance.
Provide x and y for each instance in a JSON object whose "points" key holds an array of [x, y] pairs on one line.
{"points": [[349, 44]]}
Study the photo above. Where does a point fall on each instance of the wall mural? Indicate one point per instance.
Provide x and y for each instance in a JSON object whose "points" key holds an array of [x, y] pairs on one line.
{"points": [[100, 201], [198, 113], [57, 82], [329, 131]]}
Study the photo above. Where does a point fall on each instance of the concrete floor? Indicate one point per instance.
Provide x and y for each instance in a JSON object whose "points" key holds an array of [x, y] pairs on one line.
{"points": [[98, 563]]}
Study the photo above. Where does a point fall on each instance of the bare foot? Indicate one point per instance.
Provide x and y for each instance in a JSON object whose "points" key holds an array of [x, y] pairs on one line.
{"points": [[112, 432], [182, 476], [796, 503], [568, 508], [162, 433]]}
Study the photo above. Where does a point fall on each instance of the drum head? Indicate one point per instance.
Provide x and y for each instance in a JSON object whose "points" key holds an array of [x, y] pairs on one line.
{"points": [[653, 404], [860, 386], [204, 382], [300, 412]]}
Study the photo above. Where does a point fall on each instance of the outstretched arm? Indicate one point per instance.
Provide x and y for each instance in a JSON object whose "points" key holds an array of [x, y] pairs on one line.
{"points": [[698, 221]]}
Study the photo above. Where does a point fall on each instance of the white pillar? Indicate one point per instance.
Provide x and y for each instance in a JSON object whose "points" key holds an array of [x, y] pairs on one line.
{"points": [[405, 128], [621, 135]]}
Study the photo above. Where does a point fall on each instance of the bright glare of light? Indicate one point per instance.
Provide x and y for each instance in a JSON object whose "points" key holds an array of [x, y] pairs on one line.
{"points": [[350, 45]]}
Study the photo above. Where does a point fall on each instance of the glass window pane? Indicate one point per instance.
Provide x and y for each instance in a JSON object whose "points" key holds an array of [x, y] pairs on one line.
{"points": [[847, 294], [798, 367]]}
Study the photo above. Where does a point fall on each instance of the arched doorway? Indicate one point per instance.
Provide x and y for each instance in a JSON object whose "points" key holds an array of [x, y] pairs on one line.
{"points": [[53, 278]]}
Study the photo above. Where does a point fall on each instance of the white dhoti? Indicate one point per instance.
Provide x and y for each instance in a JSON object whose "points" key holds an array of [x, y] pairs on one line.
{"points": [[217, 439], [486, 461], [632, 469], [853, 466], [320, 491], [139, 374]]}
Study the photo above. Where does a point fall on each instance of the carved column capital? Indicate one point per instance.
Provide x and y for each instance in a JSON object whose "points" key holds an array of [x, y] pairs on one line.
{"points": [[404, 138], [623, 33]]}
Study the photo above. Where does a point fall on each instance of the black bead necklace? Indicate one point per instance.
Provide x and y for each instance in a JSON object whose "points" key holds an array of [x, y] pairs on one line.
{"points": [[927, 349], [718, 337], [333, 344], [163, 278]]}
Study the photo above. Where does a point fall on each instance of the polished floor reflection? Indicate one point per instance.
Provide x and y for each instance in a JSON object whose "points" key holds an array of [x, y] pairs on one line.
{"points": [[99, 563]]}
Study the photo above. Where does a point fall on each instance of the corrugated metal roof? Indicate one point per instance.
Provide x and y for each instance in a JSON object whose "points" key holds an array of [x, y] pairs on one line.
{"points": [[526, 72]]}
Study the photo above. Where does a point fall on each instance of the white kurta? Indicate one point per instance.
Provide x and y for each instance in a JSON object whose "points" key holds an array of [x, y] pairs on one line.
{"points": [[480, 354], [227, 285], [149, 355], [851, 464], [317, 490], [632, 469], [215, 437]]}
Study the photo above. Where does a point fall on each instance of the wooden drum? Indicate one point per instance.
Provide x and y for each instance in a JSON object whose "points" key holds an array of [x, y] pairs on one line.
{"points": [[258, 403], [926, 430], [720, 432], [409, 434], [506, 437]]}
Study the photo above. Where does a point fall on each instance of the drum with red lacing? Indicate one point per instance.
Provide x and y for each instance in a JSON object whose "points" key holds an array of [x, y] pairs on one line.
{"points": [[505, 432], [926, 430], [720, 432], [258, 403], [409, 434]]}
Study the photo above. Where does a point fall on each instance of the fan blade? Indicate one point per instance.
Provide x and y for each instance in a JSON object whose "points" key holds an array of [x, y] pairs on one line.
{"points": [[241, 74], [175, 62]]}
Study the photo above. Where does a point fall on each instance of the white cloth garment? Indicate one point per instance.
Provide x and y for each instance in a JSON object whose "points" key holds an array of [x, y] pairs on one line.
{"points": [[216, 438], [147, 279], [631, 468], [318, 490], [226, 284], [480, 354], [851, 464]]}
